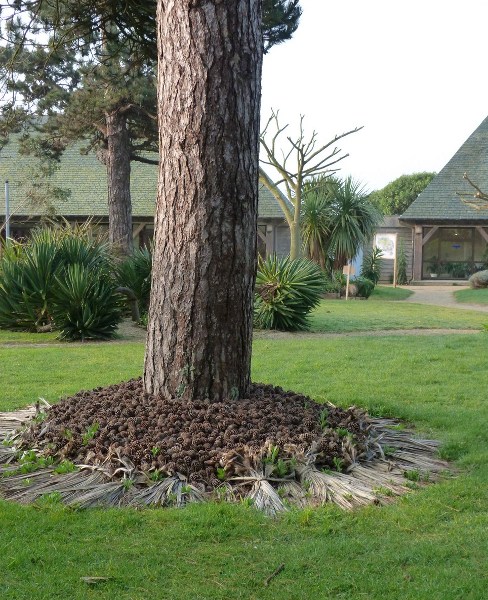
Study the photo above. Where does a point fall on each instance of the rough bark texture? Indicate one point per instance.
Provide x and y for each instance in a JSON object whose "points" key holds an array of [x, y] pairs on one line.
{"points": [[200, 319], [118, 177]]}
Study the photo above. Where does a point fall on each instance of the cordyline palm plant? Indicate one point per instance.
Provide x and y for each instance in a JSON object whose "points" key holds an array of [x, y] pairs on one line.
{"points": [[337, 220], [353, 220], [315, 226]]}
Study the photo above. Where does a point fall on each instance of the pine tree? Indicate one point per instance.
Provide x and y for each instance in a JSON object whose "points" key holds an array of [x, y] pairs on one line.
{"points": [[200, 317], [99, 95], [94, 80]]}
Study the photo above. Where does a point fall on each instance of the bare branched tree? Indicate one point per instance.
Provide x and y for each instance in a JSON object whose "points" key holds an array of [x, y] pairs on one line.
{"points": [[310, 160], [477, 199]]}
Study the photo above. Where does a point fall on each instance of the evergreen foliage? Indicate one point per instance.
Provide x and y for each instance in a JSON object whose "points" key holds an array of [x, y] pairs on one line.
{"points": [[59, 279], [401, 276], [315, 227], [372, 263], [286, 291], [337, 219], [280, 21], [134, 272], [85, 305], [396, 197]]}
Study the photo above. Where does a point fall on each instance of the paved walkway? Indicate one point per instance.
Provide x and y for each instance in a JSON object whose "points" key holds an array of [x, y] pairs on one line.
{"points": [[441, 295]]}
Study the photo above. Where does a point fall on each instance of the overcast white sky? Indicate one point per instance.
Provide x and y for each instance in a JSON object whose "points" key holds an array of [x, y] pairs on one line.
{"points": [[414, 73]]}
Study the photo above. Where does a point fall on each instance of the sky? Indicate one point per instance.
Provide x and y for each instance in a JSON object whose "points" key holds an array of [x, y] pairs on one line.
{"points": [[413, 74]]}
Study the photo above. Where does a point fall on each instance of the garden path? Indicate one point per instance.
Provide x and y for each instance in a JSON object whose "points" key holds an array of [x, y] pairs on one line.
{"points": [[440, 295]]}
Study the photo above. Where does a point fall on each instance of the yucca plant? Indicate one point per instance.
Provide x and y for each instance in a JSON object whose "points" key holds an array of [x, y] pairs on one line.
{"points": [[286, 291], [372, 263], [85, 305], [26, 283], [31, 273], [134, 273]]}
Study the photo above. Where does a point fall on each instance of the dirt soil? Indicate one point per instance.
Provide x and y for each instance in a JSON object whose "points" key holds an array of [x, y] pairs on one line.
{"points": [[195, 439]]}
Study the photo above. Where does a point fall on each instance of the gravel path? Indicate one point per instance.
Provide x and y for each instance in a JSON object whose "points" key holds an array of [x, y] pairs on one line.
{"points": [[441, 295]]}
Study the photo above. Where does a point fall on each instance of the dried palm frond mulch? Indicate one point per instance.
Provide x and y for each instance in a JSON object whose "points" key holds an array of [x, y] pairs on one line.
{"points": [[117, 446]]}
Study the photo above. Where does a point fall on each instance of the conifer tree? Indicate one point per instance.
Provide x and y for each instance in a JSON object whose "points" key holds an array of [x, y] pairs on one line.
{"points": [[87, 67]]}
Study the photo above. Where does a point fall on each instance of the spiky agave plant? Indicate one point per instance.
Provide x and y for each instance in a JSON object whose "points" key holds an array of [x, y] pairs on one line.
{"points": [[286, 291], [85, 304]]}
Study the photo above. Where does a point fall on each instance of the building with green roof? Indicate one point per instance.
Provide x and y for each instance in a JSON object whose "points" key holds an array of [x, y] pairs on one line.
{"points": [[449, 222], [82, 180]]}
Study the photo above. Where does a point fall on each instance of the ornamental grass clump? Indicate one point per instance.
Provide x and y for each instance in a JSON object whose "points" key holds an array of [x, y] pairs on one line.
{"points": [[286, 291]]}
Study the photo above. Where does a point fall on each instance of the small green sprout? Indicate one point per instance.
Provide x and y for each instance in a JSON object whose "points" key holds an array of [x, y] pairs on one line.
{"points": [[324, 419], [90, 433]]}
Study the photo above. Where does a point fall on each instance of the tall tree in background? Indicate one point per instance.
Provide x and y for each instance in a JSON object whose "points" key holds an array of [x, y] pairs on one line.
{"points": [[209, 88], [308, 161], [133, 24], [280, 21], [396, 197], [93, 79], [101, 96]]}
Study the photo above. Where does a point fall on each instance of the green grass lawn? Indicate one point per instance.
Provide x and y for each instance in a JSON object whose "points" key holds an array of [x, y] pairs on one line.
{"points": [[390, 293], [339, 316], [431, 544], [21, 337], [472, 296]]}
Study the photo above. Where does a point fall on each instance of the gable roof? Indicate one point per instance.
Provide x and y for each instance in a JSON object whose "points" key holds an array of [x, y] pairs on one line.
{"points": [[85, 176], [440, 201]]}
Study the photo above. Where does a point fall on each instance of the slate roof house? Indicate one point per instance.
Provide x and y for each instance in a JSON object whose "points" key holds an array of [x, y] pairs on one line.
{"points": [[84, 177], [449, 236]]}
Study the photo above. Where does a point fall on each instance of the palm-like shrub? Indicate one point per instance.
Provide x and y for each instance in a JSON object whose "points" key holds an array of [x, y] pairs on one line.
{"points": [[32, 276], [85, 305], [372, 263], [26, 280], [337, 220], [314, 226], [352, 220], [134, 273], [286, 291]]}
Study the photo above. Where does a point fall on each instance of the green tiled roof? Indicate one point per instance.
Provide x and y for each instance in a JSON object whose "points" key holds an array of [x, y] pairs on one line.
{"points": [[86, 178], [440, 201]]}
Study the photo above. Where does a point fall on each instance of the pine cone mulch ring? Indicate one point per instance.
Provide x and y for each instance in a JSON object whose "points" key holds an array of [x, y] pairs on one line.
{"points": [[117, 446]]}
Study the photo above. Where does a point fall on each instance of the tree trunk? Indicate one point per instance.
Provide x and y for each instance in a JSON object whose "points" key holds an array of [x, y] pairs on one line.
{"points": [[204, 263], [118, 176], [295, 240]]}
